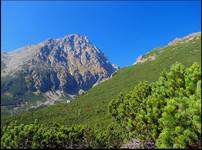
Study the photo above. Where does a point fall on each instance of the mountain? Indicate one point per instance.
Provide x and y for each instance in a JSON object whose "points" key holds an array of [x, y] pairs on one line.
{"points": [[52, 70], [91, 108]]}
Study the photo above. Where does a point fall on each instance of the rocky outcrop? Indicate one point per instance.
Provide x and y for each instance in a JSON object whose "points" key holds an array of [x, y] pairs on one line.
{"points": [[185, 39], [142, 59], [137, 144]]}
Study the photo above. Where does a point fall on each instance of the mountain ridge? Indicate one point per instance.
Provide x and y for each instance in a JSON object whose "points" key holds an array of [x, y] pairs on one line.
{"points": [[190, 37]]}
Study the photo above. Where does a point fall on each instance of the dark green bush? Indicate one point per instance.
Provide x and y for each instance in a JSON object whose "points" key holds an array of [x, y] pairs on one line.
{"points": [[76, 137], [167, 112]]}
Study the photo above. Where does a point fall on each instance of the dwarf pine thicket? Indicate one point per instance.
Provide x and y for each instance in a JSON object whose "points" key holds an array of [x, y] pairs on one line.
{"points": [[166, 112]]}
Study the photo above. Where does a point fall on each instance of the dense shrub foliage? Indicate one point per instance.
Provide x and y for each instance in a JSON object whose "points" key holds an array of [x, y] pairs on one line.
{"points": [[167, 112], [77, 137], [38, 136]]}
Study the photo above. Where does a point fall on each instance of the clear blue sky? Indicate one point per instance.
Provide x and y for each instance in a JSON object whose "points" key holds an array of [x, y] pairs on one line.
{"points": [[122, 30]]}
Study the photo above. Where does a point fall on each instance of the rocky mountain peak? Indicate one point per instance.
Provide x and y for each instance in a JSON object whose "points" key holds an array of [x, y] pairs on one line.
{"points": [[69, 64], [75, 38]]}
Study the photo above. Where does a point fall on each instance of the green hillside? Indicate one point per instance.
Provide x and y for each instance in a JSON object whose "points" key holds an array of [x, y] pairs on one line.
{"points": [[92, 107]]}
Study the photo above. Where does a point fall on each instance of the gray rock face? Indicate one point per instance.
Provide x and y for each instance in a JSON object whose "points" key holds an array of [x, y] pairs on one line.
{"points": [[69, 64], [137, 144]]}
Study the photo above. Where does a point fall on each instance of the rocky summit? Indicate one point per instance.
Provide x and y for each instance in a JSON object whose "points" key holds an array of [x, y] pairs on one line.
{"points": [[68, 65]]}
